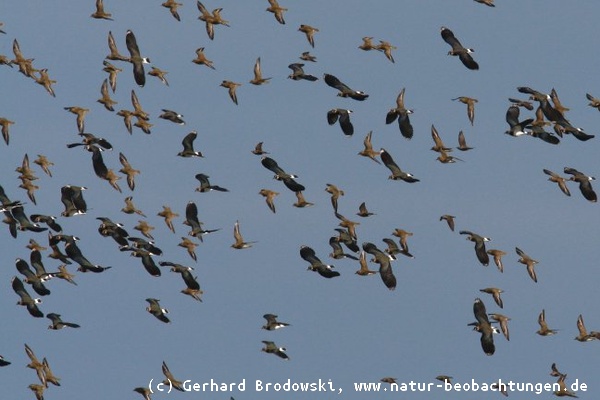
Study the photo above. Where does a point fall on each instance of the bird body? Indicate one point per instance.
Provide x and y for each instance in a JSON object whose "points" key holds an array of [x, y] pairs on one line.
{"points": [[480, 250], [385, 267], [464, 54], [470, 102], [172, 5], [544, 330], [528, 262], [309, 31], [100, 13], [325, 270], [211, 19], [205, 185], [272, 348], [386, 48], [343, 116], [484, 327], [368, 149], [401, 113], [269, 196], [155, 309], [397, 173], [277, 10], [298, 73], [58, 323], [497, 255], [495, 292], [231, 87], [344, 90], [168, 216], [585, 183], [449, 220], [25, 299], [136, 59], [106, 99], [188, 146], [239, 240], [258, 78], [272, 323], [201, 59]]}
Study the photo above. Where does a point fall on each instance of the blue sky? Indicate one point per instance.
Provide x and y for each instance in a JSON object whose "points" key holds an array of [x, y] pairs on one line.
{"points": [[347, 329]]}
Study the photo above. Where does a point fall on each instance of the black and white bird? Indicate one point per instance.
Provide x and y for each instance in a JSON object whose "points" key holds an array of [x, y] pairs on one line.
{"points": [[343, 116], [58, 323], [191, 220], [464, 54], [155, 309], [205, 185], [72, 198], [272, 348], [188, 146], [172, 116], [26, 300], [344, 90], [480, 250], [585, 183], [484, 327], [402, 114], [384, 261], [299, 74], [36, 282], [281, 175], [192, 285], [397, 173], [517, 128], [309, 255], [272, 323], [136, 59]]}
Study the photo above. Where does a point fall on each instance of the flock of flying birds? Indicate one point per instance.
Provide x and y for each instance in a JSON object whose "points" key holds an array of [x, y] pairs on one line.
{"points": [[549, 112]]}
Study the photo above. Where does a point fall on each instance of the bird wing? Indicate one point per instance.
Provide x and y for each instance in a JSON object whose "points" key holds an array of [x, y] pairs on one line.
{"points": [[468, 60], [345, 123], [204, 182], [449, 38], [98, 163], [388, 161], [512, 116], [188, 141], [294, 186], [334, 82], [332, 116], [191, 215], [131, 43], [272, 166]]}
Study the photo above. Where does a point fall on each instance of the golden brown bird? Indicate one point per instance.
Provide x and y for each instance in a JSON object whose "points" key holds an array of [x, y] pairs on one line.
{"points": [[231, 87], [277, 10], [309, 31], [130, 208], [258, 79], [470, 102], [144, 228], [368, 150], [168, 215], [190, 246], [269, 196], [100, 13], [201, 59], [239, 240]]}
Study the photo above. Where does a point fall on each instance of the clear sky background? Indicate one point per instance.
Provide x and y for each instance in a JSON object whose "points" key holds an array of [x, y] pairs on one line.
{"points": [[347, 329]]}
